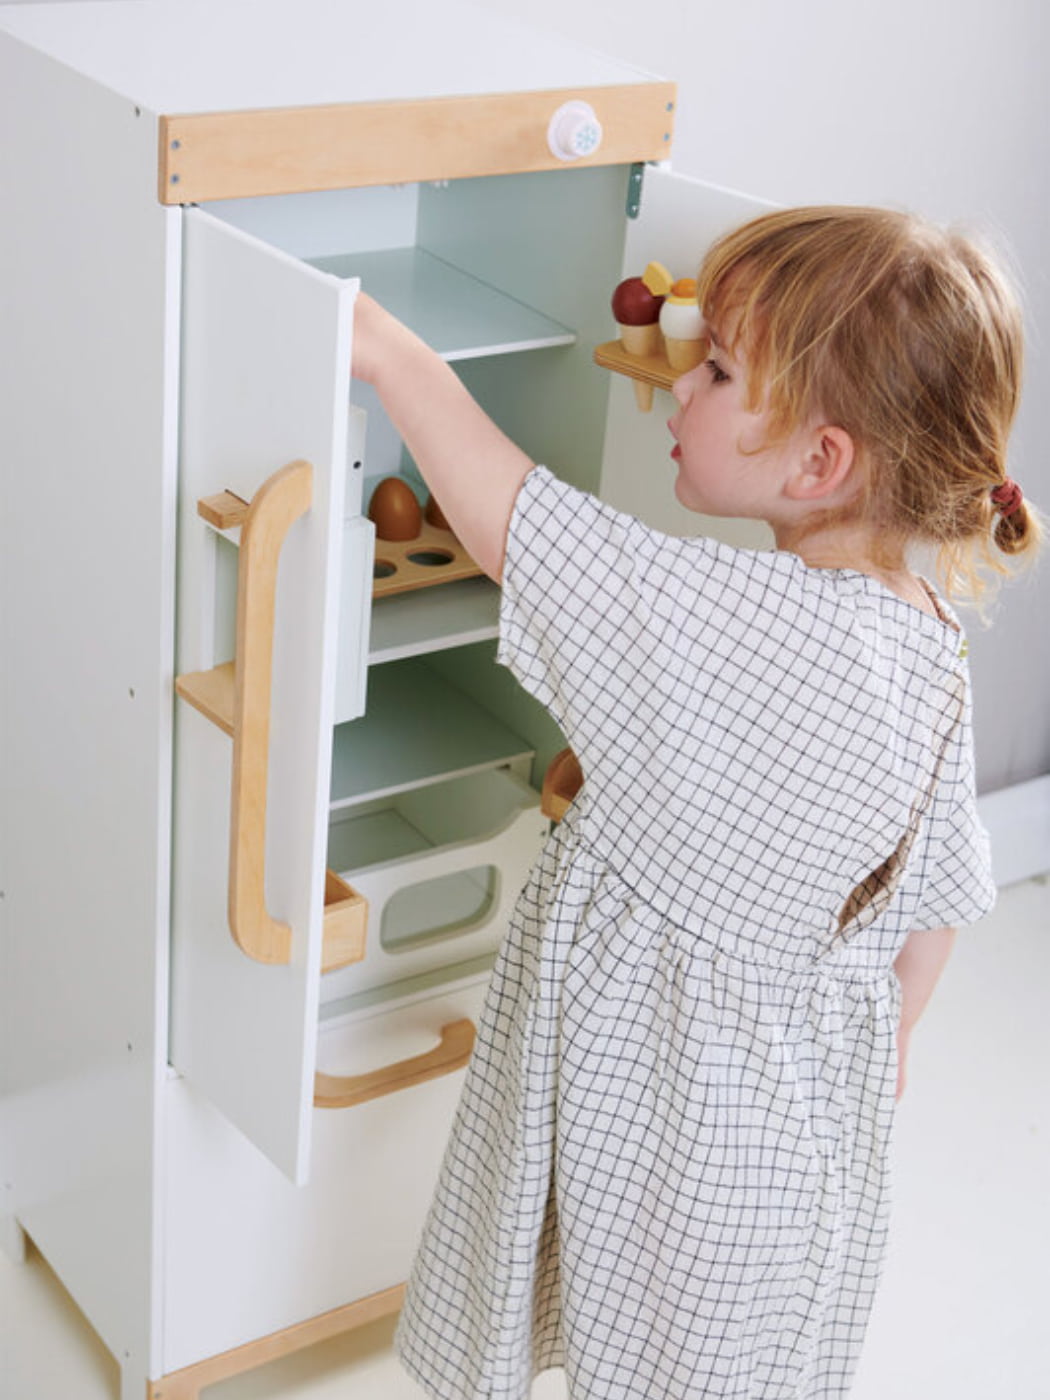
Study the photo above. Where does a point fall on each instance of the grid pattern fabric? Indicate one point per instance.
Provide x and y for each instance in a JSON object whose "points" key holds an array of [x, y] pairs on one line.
{"points": [[668, 1170]]}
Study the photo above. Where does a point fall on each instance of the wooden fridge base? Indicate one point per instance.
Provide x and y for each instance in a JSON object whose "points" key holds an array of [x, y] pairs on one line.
{"points": [[188, 1383]]}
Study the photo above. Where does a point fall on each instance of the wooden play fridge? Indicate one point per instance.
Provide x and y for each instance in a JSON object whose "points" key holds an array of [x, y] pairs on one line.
{"points": [[260, 830]]}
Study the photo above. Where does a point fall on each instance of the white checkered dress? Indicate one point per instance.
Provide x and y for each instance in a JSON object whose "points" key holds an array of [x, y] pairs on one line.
{"points": [[668, 1171]]}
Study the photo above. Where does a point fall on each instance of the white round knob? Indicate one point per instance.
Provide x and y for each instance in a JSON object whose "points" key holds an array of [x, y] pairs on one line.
{"points": [[574, 131]]}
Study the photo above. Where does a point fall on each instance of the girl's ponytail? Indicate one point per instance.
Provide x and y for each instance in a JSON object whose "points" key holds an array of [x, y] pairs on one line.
{"points": [[1017, 528]]}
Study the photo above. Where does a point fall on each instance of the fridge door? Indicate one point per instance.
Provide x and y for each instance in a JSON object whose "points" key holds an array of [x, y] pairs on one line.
{"points": [[679, 218], [265, 391]]}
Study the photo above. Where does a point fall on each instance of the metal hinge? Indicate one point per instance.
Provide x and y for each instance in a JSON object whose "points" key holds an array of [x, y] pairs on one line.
{"points": [[634, 190]]}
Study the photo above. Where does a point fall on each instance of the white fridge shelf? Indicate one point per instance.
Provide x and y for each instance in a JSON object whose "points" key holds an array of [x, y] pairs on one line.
{"points": [[434, 619], [417, 729], [460, 317]]}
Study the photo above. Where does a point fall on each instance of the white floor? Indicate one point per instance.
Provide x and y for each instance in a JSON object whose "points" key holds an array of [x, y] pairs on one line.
{"points": [[962, 1314]]}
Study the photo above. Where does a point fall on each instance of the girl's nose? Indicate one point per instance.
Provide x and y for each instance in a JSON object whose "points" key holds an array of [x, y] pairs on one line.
{"points": [[682, 388]]}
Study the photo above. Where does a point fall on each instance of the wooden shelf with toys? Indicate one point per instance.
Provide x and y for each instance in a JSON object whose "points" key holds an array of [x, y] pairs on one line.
{"points": [[414, 552], [661, 332], [414, 546]]}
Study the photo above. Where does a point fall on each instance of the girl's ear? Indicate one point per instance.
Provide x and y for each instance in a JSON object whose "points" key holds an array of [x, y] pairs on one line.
{"points": [[824, 464]]}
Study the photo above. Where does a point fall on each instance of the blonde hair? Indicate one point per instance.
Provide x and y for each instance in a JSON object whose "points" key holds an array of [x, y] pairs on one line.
{"points": [[908, 337]]}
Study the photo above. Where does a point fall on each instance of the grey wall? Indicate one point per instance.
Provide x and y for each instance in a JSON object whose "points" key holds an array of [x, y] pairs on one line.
{"points": [[940, 106]]}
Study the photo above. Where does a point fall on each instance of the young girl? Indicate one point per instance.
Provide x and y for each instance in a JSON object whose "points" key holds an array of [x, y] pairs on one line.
{"points": [[668, 1169]]}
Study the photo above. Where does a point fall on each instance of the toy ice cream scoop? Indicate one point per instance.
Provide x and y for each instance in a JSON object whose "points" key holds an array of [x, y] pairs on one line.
{"points": [[637, 312], [683, 332], [681, 322]]}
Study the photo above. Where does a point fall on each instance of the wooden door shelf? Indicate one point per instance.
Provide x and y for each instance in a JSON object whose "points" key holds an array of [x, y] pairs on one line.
{"points": [[210, 693], [646, 369]]}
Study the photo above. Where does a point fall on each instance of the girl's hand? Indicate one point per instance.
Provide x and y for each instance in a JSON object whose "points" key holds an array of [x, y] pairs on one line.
{"points": [[918, 966]]}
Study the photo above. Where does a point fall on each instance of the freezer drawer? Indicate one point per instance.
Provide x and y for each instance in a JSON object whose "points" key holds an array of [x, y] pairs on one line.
{"points": [[440, 867]]}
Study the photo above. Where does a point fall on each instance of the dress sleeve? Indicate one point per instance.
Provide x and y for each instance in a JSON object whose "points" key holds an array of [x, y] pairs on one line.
{"points": [[958, 885], [592, 612]]}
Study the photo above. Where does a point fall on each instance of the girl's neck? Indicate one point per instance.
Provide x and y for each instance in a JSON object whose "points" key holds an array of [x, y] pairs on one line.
{"points": [[856, 547]]}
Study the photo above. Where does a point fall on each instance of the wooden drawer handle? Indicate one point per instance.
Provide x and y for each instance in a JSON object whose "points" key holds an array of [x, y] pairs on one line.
{"points": [[344, 1091]]}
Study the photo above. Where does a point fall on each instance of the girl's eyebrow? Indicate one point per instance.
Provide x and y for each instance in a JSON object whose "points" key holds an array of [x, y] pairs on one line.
{"points": [[714, 339]]}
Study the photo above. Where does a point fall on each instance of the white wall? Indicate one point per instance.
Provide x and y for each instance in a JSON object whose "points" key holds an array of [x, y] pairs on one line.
{"points": [[940, 106]]}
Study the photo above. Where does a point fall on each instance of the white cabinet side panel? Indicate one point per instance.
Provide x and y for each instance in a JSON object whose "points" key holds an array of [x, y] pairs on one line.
{"points": [[265, 381], [679, 219], [88, 366]]}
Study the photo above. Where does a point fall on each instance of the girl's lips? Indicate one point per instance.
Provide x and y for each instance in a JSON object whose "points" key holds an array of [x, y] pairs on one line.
{"points": [[676, 450]]}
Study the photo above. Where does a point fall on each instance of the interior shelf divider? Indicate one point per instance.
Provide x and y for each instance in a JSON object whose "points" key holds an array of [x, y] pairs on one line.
{"points": [[434, 619], [459, 316], [417, 729]]}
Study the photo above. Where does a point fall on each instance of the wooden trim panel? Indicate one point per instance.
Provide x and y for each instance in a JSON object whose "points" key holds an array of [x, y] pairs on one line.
{"points": [[226, 155], [188, 1383]]}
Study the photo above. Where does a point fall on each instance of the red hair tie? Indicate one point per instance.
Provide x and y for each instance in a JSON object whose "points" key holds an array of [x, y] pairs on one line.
{"points": [[1007, 496]]}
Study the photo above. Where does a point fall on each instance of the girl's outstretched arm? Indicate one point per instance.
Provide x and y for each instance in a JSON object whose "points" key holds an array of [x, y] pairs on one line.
{"points": [[473, 469], [918, 967]]}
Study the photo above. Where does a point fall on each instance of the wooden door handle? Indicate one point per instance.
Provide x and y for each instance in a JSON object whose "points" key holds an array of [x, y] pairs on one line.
{"points": [[236, 697], [275, 507], [344, 1091]]}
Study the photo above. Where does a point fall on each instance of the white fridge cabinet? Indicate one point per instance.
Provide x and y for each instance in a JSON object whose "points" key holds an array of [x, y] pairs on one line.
{"points": [[246, 932]]}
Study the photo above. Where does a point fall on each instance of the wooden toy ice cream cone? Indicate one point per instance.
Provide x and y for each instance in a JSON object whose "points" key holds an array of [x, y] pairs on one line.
{"points": [[683, 355], [641, 340], [682, 324], [643, 395], [637, 312]]}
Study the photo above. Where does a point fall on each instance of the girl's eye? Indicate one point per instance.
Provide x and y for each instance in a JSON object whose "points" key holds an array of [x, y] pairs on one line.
{"points": [[718, 374]]}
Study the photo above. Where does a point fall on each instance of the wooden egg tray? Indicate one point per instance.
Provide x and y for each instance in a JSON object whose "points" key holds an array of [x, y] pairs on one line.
{"points": [[433, 556]]}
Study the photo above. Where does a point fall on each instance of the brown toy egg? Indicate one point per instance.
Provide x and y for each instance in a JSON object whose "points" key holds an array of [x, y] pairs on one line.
{"points": [[395, 511], [434, 515]]}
